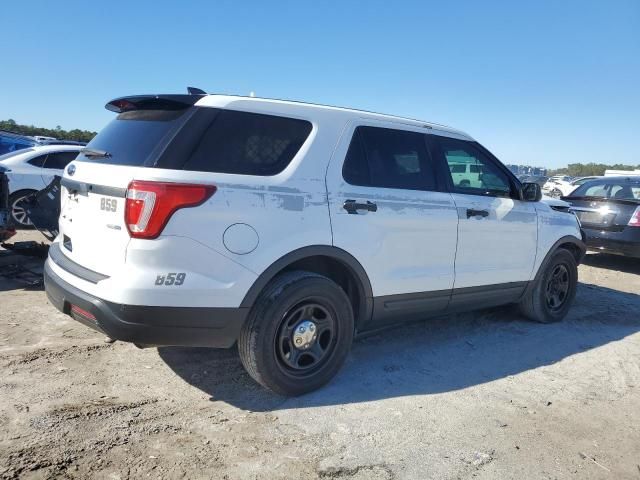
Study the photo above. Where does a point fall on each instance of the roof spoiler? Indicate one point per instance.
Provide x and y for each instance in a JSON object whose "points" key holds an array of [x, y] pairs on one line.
{"points": [[156, 102]]}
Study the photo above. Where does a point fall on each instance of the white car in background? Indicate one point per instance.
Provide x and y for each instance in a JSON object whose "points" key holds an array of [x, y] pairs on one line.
{"points": [[557, 187], [32, 169]]}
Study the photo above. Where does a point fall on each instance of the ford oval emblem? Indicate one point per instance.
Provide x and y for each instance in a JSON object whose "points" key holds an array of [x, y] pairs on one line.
{"points": [[71, 169]]}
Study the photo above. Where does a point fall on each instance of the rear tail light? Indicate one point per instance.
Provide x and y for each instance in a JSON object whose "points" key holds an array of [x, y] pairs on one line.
{"points": [[635, 218], [149, 205]]}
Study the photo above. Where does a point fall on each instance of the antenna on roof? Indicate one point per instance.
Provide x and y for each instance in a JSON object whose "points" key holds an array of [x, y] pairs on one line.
{"points": [[195, 91]]}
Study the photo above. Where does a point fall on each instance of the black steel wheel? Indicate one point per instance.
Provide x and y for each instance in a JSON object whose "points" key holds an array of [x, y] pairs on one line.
{"points": [[306, 337], [550, 296], [557, 288], [298, 333]]}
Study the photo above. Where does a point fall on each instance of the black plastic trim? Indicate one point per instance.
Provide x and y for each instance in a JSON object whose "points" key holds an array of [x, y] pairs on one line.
{"points": [[75, 186], [148, 325], [406, 307], [364, 285], [567, 239], [486, 296], [68, 265], [153, 102]]}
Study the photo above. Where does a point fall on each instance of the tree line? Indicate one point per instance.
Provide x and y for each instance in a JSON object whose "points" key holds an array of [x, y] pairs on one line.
{"points": [[76, 134], [589, 169]]}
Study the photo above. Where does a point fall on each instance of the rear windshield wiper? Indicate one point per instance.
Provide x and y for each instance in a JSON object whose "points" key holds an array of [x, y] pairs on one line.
{"points": [[94, 153]]}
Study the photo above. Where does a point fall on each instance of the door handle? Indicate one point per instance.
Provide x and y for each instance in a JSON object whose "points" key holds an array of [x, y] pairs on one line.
{"points": [[351, 206], [476, 213]]}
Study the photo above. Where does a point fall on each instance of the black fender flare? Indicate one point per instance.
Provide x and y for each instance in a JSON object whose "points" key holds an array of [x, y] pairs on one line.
{"points": [[579, 244], [335, 253]]}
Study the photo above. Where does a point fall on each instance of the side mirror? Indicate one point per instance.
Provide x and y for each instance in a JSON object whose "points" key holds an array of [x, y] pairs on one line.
{"points": [[531, 192]]}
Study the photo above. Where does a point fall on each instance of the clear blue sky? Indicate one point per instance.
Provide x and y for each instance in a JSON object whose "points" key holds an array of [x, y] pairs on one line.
{"points": [[546, 83]]}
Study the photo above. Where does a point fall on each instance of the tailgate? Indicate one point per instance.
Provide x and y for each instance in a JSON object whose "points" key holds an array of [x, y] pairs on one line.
{"points": [[92, 228]]}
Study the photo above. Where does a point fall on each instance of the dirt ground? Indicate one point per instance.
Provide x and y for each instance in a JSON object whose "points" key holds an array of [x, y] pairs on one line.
{"points": [[486, 395]]}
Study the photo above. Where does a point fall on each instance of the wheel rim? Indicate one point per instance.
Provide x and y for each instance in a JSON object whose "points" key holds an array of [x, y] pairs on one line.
{"points": [[19, 214], [306, 338], [556, 193], [557, 289]]}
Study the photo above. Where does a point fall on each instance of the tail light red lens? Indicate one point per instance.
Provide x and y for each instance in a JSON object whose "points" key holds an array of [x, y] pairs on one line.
{"points": [[635, 218], [149, 205]]}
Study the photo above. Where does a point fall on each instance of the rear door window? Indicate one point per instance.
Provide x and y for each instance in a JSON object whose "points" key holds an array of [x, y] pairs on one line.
{"points": [[388, 158], [248, 144]]}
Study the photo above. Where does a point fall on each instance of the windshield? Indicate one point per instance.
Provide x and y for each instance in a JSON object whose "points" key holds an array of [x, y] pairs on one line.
{"points": [[614, 189], [135, 138]]}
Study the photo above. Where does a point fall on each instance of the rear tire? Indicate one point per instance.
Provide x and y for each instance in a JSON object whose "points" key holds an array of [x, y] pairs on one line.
{"points": [[298, 333], [18, 215], [552, 295]]}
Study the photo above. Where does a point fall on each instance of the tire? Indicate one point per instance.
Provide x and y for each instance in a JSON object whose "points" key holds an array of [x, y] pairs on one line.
{"points": [[266, 343], [556, 193], [18, 216], [538, 304]]}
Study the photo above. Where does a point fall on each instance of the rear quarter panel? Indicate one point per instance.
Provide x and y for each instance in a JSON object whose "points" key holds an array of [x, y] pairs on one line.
{"points": [[287, 211]]}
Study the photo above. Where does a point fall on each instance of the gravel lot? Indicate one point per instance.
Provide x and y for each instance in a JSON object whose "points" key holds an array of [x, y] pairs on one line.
{"points": [[483, 395]]}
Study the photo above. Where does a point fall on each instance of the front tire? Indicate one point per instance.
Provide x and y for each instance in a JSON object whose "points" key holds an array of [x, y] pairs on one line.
{"points": [[298, 333], [552, 295]]}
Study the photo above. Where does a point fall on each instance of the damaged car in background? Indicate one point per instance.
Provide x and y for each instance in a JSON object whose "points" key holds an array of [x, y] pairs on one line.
{"points": [[6, 228], [32, 169]]}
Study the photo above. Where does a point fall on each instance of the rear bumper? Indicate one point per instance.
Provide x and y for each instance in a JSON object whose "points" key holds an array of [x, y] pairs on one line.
{"points": [[625, 243], [147, 325]]}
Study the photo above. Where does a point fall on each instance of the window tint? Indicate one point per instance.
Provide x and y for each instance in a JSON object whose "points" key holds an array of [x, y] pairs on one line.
{"points": [[37, 161], [387, 158], [134, 137], [59, 160], [248, 144], [473, 172]]}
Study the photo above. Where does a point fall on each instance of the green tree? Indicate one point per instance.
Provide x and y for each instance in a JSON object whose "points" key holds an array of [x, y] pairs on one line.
{"points": [[590, 169], [76, 134]]}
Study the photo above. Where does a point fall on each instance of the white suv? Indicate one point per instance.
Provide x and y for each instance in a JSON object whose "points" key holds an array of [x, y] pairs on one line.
{"points": [[286, 227]]}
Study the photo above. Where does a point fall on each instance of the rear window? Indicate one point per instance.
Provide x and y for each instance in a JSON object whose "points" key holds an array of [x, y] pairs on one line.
{"points": [[136, 138], [609, 189], [248, 144]]}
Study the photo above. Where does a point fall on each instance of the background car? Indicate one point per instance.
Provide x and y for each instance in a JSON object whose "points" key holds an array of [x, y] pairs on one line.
{"points": [[564, 188], [609, 212], [32, 169], [12, 142], [550, 187], [6, 227], [539, 179]]}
